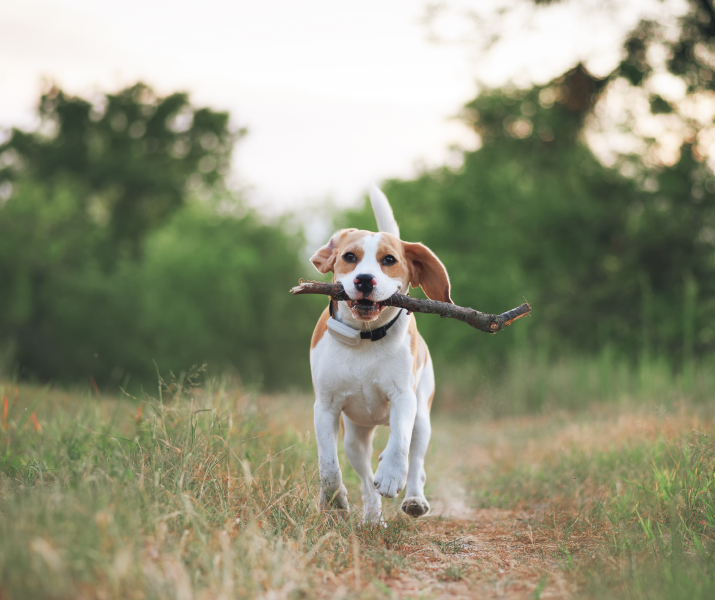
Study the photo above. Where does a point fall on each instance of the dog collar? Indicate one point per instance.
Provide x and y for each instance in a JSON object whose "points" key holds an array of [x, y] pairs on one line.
{"points": [[352, 337]]}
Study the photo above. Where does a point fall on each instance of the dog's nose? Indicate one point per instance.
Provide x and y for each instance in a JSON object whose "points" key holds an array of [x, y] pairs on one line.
{"points": [[365, 283]]}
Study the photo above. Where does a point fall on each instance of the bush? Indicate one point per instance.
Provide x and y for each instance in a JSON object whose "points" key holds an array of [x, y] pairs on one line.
{"points": [[207, 288]]}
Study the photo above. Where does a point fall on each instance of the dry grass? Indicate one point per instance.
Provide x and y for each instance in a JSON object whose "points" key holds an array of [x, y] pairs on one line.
{"points": [[211, 493]]}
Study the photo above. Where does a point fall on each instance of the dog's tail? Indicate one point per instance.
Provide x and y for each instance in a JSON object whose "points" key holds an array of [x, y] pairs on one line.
{"points": [[383, 213]]}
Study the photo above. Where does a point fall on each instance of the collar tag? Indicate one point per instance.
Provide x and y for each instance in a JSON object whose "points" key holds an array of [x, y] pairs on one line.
{"points": [[342, 332]]}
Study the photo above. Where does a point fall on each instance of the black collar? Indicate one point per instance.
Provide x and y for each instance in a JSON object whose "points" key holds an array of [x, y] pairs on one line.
{"points": [[375, 334]]}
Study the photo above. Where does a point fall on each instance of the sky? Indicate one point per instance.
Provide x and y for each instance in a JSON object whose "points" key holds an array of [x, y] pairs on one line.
{"points": [[334, 95]]}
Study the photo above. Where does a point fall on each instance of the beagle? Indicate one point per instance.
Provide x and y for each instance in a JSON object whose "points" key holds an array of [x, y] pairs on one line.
{"points": [[371, 367]]}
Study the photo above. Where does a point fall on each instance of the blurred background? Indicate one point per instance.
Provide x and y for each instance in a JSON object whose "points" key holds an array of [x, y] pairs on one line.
{"points": [[166, 171]]}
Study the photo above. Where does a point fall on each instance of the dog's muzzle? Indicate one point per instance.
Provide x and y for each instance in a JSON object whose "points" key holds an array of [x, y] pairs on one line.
{"points": [[365, 284]]}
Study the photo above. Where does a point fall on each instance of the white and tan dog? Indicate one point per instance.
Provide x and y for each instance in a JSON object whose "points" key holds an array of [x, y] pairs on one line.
{"points": [[382, 374]]}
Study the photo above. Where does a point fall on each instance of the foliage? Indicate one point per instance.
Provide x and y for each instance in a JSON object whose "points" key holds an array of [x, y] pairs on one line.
{"points": [[98, 243], [219, 295], [103, 285], [202, 292], [606, 261], [136, 153], [618, 259]]}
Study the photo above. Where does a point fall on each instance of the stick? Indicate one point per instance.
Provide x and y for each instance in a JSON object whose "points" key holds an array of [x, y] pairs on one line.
{"points": [[478, 320]]}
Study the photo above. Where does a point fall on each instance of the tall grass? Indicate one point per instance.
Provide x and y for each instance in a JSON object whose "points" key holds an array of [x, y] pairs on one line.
{"points": [[187, 492], [636, 517], [196, 493], [537, 380]]}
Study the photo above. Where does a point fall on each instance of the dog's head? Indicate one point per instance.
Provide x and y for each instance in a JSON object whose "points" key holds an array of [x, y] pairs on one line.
{"points": [[373, 266]]}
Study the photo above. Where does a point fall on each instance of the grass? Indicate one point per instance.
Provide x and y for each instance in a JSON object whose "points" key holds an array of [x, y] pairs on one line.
{"points": [[210, 492], [535, 380], [185, 494], [630, 505]]}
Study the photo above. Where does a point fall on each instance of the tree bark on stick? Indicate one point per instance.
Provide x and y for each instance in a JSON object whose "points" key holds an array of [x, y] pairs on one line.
{"points": [[479, 320]]}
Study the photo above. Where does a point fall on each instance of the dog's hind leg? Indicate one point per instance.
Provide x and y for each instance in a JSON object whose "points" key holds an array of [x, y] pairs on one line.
{"points": [[415, 504], [358, 449]]}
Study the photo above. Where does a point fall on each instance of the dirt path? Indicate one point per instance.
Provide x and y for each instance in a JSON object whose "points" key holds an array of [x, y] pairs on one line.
{"points": [[474, 553], [479, 553], [487, 553]]}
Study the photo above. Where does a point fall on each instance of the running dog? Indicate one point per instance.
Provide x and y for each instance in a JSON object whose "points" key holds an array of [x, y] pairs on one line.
{"points": [[371, 367]]}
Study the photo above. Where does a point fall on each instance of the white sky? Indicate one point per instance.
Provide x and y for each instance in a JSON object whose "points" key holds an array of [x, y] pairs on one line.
{"points": [[335, 95]]}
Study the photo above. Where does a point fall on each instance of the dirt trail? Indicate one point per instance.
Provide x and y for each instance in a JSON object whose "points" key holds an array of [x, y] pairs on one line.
{"points": [[475, 553], [501, 556], [486, 553]]}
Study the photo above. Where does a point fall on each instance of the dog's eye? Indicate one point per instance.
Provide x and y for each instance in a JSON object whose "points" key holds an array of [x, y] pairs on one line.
{"points": [[349, 257], [389, 260]]}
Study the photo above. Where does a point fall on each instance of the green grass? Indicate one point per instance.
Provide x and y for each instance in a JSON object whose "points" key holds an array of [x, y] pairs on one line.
{"points": [[208, 492], [189, 492], [636, 519], [536, 380]]}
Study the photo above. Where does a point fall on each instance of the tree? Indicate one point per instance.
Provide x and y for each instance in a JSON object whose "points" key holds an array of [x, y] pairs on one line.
{"points": [[612, 250], [137, 154], [605, 259], [120, 246]]}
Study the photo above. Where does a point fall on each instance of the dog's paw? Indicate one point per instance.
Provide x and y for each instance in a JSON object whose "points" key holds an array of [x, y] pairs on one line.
{"points": [[373, 519], [334, 499], [390, 478], [415, 506], [372, 512]]}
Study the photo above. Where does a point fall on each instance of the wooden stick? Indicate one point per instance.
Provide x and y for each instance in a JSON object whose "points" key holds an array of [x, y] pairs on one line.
{"points": [[478, 320]]}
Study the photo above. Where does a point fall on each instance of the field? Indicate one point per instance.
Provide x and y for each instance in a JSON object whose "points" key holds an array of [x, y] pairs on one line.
{"points": [[210, 492]]}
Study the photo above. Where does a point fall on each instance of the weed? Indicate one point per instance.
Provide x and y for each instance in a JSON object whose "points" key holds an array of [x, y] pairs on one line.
{"points": [[540, 587], [454, 573], [386, 563], [454, 546]]}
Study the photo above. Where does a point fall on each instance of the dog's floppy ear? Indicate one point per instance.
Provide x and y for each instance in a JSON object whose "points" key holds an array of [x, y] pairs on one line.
{"points": [[428, 272], [324, 258]]}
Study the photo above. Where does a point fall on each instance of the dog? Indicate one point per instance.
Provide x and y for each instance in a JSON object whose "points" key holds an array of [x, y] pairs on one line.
{"points": [[371, 367]]}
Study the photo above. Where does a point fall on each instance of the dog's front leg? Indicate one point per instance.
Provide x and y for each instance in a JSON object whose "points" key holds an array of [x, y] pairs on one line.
{"points": [[326, 420], [358, 449], [391, 473]]}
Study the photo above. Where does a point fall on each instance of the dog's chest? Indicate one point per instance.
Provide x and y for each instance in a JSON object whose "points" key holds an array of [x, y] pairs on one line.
{"points": [[361, 380]]}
